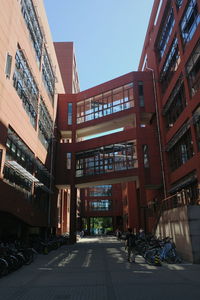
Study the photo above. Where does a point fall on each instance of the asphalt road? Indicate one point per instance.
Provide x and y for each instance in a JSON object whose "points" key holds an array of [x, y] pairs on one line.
{"points": [[97, 269]]}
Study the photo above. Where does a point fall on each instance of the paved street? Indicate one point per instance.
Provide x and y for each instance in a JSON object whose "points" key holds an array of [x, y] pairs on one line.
{"points": [[96, 269]]}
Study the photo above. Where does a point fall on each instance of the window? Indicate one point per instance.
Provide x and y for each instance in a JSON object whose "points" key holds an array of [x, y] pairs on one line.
{"points": [[189, 22], [181, 152], [26, 87], [179, 3], [170, 66], [8, 65], [45, 128], [175, 104], [165, 33], [145, 149], [48, 75], [105, 104], [69, 160], [1, 154], [196, 121], [193, 70], [100, 190], [141, 93], [69, 113], [106, 159], [33, 26], [100, 205]]}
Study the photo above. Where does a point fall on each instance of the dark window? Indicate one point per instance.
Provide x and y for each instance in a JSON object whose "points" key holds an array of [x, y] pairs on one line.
{"points": [[179, 3], [69, 160], [196, 120], [181, 152], [165, 33], [175, 104], [1, 154], [26, 87], [170, 66], [193, 70], [8, 65], [69, 113], [48, 75], [141, 93], [145, 155], [190, 21], [45, 128]]}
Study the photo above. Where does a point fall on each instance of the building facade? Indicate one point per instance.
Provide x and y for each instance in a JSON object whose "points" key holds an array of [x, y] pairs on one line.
{"points": [[28, 103], [109, 137], [171, 53]]}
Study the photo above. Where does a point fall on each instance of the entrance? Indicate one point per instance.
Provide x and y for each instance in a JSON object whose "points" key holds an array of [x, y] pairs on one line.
{"points": [[101, 225]]}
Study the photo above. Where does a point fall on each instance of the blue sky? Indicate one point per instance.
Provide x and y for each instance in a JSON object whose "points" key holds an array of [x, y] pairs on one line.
{"points": [[108, 35]]}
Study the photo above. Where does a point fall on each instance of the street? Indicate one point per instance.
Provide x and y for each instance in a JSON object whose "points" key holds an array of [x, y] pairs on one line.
{"points": [[96, 268]]}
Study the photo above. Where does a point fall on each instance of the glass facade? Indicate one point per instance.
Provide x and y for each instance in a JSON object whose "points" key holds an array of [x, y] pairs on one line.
{"points": [[111, 158], [107, 103]]}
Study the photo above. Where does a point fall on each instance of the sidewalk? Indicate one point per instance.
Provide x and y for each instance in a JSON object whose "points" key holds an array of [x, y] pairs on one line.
{"points": [[97, 269]]}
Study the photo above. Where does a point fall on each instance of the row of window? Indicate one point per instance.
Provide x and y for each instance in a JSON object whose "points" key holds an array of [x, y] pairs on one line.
{"points": [[170, 66], [37, 38], [48, 75], [27, 90], [175, 104], [24, 83], [100, 205], [106, 159], [177, 100], [45, 128], [188, 25], [104, 104], [99, 191], [19, 152], [33, 26]]}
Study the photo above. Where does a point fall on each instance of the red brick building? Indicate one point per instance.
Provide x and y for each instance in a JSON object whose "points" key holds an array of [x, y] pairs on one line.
{"points": [[127, 150], [171, 53], [109, 137]]}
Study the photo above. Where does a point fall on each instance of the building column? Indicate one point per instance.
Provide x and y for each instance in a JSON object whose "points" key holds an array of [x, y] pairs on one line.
{"points": [[73, 213]]}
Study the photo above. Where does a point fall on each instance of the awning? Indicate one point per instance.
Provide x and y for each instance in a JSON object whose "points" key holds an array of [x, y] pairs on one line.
{"points": [[178, 135], [14, 165], [185, 181]]}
